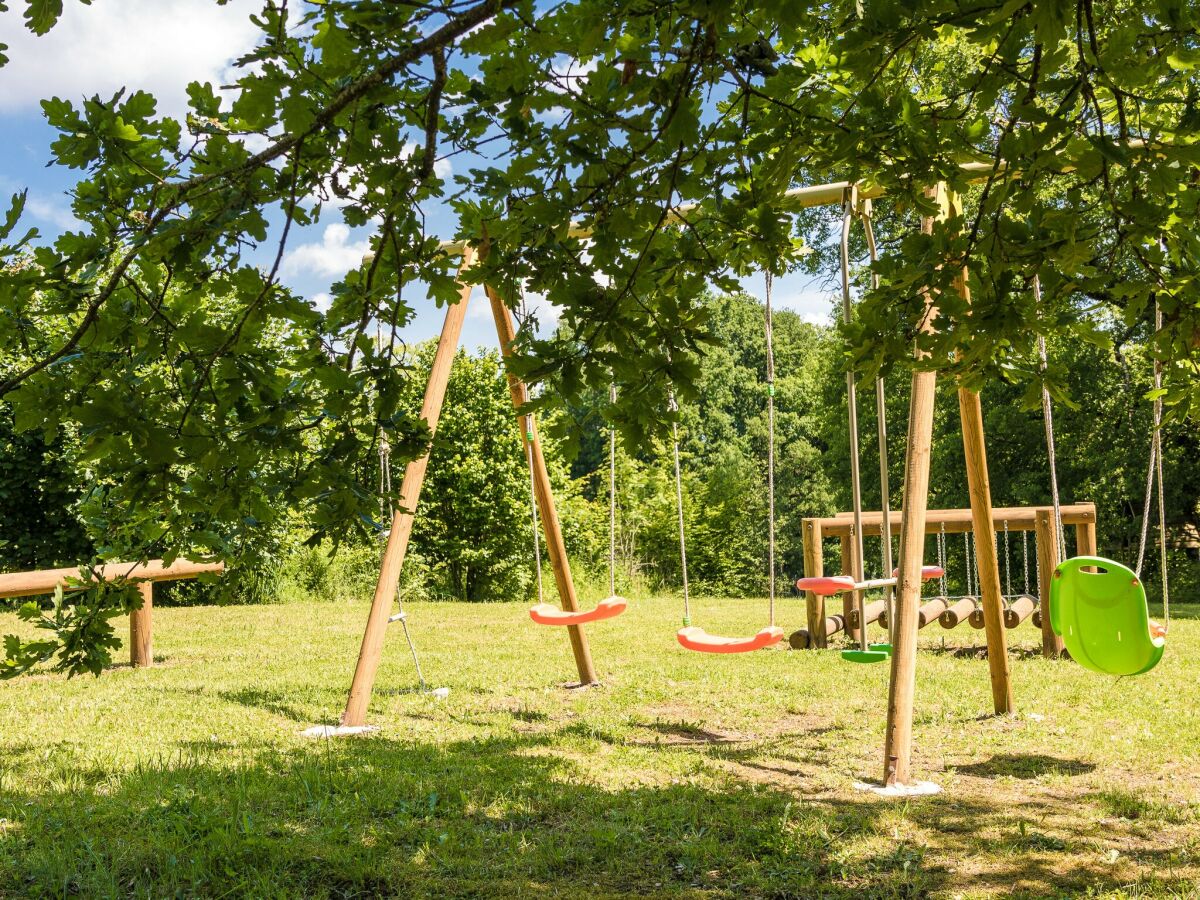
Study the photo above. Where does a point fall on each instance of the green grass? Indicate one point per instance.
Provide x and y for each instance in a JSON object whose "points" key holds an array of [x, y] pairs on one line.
{"points": [[683, 776]]}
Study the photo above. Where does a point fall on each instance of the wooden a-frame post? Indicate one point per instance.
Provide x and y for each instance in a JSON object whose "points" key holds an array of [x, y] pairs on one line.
{"points": [[371, 651], [897, 754], [355, 715], [556, 549]]}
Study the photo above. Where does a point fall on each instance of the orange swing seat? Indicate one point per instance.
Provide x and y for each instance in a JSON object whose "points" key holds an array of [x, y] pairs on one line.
{"points": [[545, 614], [694, 638]]}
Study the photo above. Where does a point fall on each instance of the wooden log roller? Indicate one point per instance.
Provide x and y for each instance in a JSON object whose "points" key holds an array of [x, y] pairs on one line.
{"points": [[957, 613]]}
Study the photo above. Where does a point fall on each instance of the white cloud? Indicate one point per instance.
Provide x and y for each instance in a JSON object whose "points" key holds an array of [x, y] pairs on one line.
{"points": [[321, 301], [334, 256], [568, 74], [813, 306], [51, 211], [547, 313], [822, 319], [140, 44]]}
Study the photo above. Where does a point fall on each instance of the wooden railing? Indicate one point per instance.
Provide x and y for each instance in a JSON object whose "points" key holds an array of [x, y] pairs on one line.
{"points": [[141, 620]]}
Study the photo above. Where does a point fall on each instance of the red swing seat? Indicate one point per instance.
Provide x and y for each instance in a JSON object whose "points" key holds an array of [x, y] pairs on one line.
{"points": [[828, 585], [694, 638], [545, 614]]}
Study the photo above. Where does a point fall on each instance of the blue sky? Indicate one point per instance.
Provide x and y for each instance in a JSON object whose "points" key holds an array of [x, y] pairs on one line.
{"points": [[160, 46]]}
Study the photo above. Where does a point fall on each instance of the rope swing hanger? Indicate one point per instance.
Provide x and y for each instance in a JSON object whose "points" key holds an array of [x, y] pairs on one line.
{"points": [[387, 511], [545, 613], [856, 581], [690, 636], [1098, 606]]}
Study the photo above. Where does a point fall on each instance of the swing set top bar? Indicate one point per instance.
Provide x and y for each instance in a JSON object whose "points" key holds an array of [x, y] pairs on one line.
{"points": [[797, 198], [1019, 518], [808, 196]]}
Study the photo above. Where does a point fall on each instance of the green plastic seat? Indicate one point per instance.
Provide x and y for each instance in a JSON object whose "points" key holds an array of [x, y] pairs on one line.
{"points": [[1102, 617], [875, 653]]}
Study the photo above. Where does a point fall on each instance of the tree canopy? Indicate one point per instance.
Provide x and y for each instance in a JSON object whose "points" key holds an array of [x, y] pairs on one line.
{"points": [[625, 157]]}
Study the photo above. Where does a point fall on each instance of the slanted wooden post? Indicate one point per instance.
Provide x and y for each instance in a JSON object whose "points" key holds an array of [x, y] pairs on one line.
{"points": [[814, 567], [980, 489], [992, 595], [1085, 539], [897, 752], [555, 548], [402, 520], [1046, 543], [141, 628]]}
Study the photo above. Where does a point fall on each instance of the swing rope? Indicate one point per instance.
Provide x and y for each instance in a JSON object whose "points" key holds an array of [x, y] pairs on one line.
{"points": [[770, 340], [1154, 471], [387, 511], [885, 503], [687, 607], [612, 497], [1060, 551], [849, 197], [695, 638], [1156, 466], [543, 613], [533, 510]]}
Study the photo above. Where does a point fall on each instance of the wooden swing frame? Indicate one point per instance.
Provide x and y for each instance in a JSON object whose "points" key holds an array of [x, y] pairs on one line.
{"points": [[371, 651], [897, 771]]}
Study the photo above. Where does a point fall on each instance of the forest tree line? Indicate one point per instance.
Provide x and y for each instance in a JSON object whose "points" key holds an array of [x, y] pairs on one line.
{"points": [[472, 536]]}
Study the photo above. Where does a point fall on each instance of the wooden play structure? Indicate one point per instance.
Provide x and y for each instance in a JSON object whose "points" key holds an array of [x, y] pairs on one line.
{"points": [[1021, 601], [141, 620], [914, 523]]}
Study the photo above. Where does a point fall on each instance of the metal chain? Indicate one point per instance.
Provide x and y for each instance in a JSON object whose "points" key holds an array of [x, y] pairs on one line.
{"points": [[941, 551], [1025, 560], [967, 558], [1007, 562], [975, 564], [1037, 568]]}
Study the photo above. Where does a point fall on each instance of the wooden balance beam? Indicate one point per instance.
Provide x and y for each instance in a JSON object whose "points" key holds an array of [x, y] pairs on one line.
{"points": [[141, 620]]}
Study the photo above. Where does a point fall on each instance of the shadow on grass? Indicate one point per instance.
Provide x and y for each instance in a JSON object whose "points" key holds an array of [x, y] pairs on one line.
{"points": [[981, 652], [676, 733], [273, 701], [1025, 765], [485, 818]]}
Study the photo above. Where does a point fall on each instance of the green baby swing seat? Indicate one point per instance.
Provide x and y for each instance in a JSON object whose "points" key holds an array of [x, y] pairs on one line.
{"points": [[1098, 607]]}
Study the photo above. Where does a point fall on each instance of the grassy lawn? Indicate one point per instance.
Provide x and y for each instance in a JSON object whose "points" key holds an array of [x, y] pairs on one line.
{"points": [[683, 776]]}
